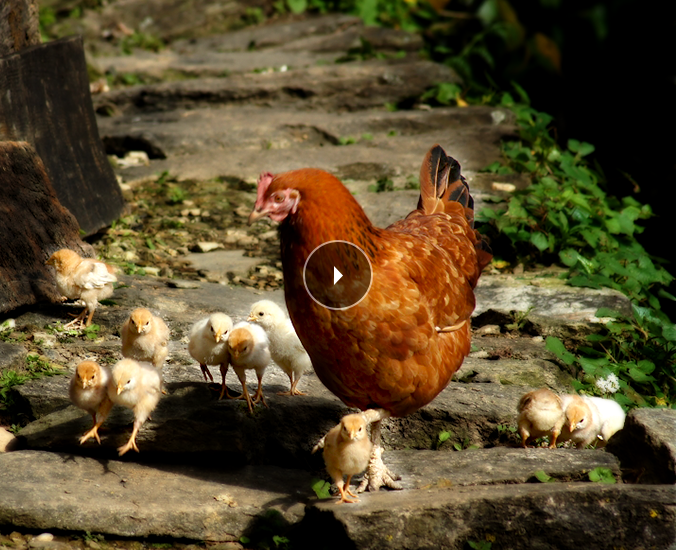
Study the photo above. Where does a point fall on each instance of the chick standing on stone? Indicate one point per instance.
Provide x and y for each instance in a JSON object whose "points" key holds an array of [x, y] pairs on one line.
{"points": [[208, 345], [611, 418], [136, 386], [347, 450], [540, 414], [83, 279], [145, 337], [582, 424], [89, 391], [249, 349], [285, 347], [591, 420]]}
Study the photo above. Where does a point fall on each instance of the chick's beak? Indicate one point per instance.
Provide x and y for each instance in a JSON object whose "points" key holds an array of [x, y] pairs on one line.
{"points": [[251, 318], [119, 390], [256, 215], [218, 335]]}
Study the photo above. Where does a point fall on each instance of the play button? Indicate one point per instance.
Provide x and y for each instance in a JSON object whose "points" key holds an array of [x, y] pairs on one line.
{"points": [[337, 274]]}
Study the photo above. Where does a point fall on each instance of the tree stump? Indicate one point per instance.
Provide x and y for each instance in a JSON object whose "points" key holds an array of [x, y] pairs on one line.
{"points": [[45, 100], [33, 224], [19, 25]]}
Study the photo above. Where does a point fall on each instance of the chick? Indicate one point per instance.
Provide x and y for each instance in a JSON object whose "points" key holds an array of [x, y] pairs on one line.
{"points": [[136, 386], [208, 345], [582, 425], [89, 391], [249, 349], [347, 450], [83, 279], [540, 413], [285, 347], [145, 337], [611, 418]]}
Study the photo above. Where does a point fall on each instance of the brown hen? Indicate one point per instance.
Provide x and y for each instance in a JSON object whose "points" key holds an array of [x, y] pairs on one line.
{"points": [[396, 349]]}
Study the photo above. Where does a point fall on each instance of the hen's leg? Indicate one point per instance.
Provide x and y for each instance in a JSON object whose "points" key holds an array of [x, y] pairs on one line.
{"points": [[377, 474]]}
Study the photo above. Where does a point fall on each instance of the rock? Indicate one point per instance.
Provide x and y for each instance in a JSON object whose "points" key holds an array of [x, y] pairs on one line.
{"points": [[219, 264], [524, 516], [553, 307], [133, 500], [12, 356], [646, 446]]}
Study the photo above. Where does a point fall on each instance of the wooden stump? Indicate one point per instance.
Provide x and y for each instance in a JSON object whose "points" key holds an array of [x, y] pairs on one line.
{"points": [[33, 224], [19, 25], [45, 100]]}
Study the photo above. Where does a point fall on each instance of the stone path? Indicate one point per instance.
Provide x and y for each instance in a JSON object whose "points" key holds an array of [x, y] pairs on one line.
{"points": [[209, 471]]}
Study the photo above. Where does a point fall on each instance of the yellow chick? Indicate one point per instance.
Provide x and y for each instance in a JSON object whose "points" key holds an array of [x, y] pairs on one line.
{"points": [[582, 425], [145, 337], [208, 345], [248, 347], [540, 414], [136, 386], [591, 420], [83, 279], [347, 450], [89, 391], [285, 346]]}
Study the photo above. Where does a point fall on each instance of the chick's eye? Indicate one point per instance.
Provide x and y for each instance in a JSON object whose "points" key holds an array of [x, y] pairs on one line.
{"points": [[261, 314]]}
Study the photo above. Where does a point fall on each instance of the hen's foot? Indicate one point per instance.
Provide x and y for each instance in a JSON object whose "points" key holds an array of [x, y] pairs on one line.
{"points": [[378, 475]]}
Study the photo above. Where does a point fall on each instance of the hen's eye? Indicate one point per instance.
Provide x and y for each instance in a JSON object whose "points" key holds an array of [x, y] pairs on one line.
{"points": [[277, 197]]}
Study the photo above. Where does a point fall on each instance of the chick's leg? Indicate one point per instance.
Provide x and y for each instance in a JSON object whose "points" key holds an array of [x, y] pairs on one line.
{"points": [[345, 491], [245, 392], [224, 387], [77, 322], [99, 418], [206, 373], [131, 444], [377, 474], [259, 392], [294, 383]]}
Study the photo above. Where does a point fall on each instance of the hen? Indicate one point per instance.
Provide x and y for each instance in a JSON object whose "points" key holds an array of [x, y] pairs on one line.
{"points": [[395, 350]]}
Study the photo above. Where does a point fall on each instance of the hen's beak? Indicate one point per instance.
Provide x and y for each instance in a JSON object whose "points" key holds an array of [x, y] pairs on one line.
{"points": [[256, 215]]}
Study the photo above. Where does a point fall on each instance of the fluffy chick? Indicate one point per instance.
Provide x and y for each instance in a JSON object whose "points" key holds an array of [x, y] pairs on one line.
{"points": [[285, 347], [540, 414], [611, 418], [89, 391], [83, 279], [136, 386], [145, 337], [582, 425], [208, 345], [591, 420], [347, 450], [249, 349]]}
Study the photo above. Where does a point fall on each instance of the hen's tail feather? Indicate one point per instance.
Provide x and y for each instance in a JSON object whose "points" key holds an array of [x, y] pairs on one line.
{"points": [[441, 182]]}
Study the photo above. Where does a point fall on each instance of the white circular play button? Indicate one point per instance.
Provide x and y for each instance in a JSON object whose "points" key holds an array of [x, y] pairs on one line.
{"points": [[337, 274]]}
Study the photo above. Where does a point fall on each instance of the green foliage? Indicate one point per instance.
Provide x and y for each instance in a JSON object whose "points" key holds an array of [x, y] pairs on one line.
{"points": [[142, 41], [637, 351], [602, 475], [321, 488], [542, 477], [442, 438], [480, 545]]}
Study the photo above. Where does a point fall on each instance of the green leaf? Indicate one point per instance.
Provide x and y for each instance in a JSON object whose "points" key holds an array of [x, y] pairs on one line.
{"points": [[602, 475], [297, 6], [444, 436], [542, 477], [539, 240], [321, 489], [556, 346]]}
